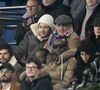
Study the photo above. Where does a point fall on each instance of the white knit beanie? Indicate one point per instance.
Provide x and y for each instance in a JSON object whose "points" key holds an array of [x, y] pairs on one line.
{"points": [[47, 19]]}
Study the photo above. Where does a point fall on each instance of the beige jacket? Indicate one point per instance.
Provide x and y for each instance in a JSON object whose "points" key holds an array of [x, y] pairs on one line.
{"points": [[61, 71]]}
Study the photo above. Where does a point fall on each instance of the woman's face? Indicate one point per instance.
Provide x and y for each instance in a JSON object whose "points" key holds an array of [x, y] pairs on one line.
{"points": [[85, 57], [97, 31]]}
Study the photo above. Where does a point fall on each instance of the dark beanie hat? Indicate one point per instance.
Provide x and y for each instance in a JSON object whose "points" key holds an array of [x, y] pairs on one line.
{"points": [[63, 20], [86, 46], [96, 21], [7, 66]]}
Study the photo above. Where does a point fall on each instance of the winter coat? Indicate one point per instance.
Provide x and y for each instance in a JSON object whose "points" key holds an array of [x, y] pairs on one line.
{"points": [[24, 26], [26, 46], [73, 43], [39, 82], [88, 24], [88, 47], [29, 44], [77, 7], [14, 86], [56, 9], [60, 70]]}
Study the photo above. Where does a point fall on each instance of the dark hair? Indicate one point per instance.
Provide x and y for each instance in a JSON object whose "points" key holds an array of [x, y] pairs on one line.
{"points": [[46, 51], [88, 47], [34, 60], [7, 46]]}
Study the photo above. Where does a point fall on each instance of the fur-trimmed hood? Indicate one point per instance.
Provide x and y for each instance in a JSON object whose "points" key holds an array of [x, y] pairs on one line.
{"points": [[34, 29], [23, 76]]}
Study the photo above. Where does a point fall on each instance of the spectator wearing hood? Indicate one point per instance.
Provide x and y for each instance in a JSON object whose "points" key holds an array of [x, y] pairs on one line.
{"points": [[85, 55], [89, 47], [36, 37], [31, 16]]}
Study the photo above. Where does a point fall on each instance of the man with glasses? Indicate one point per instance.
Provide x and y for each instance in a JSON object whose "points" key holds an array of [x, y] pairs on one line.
{"points": [[31, 16], [35, 80], [7, 81]]}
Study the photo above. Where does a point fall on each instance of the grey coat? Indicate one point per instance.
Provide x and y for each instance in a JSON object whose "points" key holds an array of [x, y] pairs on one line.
{"points": [[26, 46]]}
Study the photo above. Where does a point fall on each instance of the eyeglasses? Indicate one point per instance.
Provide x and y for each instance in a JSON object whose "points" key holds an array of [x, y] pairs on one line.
{"points": [[30, 8], [59, 46], [5, 71], [31, 67]]}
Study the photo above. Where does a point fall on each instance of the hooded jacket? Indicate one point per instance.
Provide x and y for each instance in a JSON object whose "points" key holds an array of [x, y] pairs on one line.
{"points": [[89, 48], [28, 44]]}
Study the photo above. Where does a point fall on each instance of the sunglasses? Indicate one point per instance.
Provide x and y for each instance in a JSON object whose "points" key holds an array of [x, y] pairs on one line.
{"points": [[59, 46]]}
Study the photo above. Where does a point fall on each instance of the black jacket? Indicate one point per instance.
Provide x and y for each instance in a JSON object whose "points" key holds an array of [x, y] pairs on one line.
{"points": [[42, 83], [89, 48], [88, 24], [56, 9]]}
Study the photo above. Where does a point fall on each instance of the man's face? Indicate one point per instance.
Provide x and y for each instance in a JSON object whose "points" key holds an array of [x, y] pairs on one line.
{"points": [[91, 2], [44, 30], [31, 69], [85, 57], [6, 75], [32, 7], [48, 2], [63, 29], [59, 49], [4, 55], [97, 31]]}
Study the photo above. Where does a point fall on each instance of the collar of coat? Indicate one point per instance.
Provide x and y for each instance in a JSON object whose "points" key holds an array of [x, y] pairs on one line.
{"points": [[37, 76]]}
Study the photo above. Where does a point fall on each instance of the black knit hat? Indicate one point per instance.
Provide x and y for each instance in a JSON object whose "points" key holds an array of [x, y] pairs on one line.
{"points": [[88, 47], [63, 20], [7, 66], [96, 21]]}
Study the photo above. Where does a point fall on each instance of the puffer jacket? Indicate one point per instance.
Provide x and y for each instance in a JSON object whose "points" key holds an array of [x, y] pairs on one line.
{"points": [[60, 70]]}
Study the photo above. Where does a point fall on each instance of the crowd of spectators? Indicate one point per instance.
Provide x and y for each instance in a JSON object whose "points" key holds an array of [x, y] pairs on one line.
{"points": [[58, 47]]}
